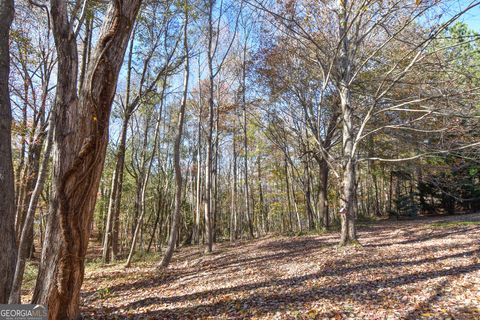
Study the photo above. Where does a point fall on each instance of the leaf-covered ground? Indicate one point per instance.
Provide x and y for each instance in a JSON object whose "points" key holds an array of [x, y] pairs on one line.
{"points": [[423, 269]]}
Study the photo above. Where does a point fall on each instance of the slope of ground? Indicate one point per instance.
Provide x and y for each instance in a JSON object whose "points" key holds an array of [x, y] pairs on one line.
{"points": [[426, 269]]}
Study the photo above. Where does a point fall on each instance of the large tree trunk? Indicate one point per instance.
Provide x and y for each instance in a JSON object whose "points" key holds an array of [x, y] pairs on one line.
{"points": [[8, 246], [176, 152], [80, 140]]}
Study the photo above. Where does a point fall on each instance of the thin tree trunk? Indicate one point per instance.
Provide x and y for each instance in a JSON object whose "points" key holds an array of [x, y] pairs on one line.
{"points": [[233, 204], [176, 152], [198, 199], [24, 244], [245, 140], [322, 195], [208, 162], [85, 50], [111, 230], [158, 215], [215, 181], [146, 176], [260, 194], [117, 200], [289, 199], [308, 197]]}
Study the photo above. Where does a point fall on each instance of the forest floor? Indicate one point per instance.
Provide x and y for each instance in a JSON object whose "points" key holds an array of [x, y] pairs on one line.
{"points": [[422, 269]]}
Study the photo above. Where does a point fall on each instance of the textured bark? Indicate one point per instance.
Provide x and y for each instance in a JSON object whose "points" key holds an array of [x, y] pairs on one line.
{"points": [[80, 140], [7, 190], [347, 197], [86, 49]]}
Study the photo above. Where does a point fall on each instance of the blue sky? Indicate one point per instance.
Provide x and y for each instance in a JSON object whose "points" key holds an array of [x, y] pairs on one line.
{"points": [[473, 18]]}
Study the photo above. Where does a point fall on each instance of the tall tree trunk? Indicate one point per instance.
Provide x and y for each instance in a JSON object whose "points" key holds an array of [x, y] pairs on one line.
{"points": [[233, 203], [209, 160], [80, 141], [113, 215], [117, 201], [176, 151], [347, 197], [8, 245], [106, 253], [144, 177], [245, 140], [23, 135], [215, 181], [198, 198], [24, 244]]}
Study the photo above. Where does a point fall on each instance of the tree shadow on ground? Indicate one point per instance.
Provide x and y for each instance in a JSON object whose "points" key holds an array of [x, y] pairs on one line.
{"points": [[217, 264], [425, 306], [263, 302], [266, 302], [266, 297], [422, 237]]}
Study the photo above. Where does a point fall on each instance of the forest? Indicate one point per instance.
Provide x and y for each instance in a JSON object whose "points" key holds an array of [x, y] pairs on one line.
{"points": [[240, 159]]}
